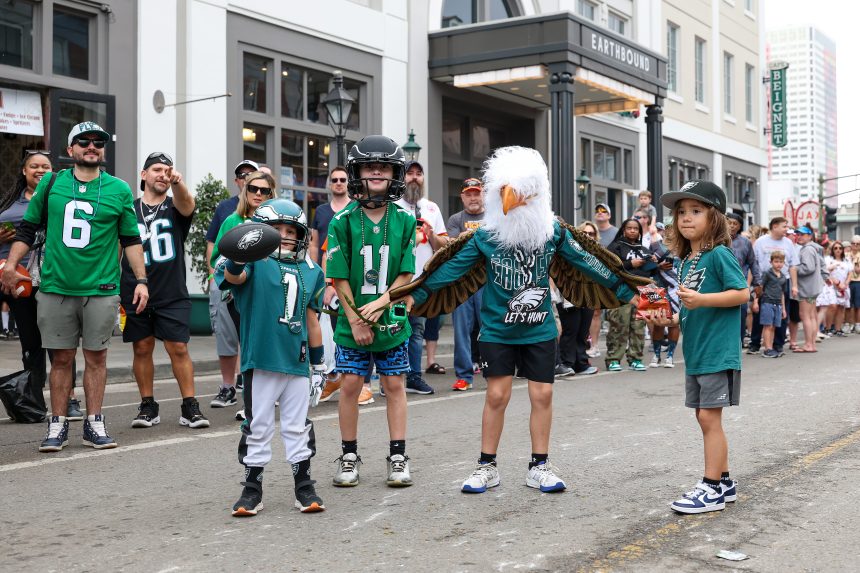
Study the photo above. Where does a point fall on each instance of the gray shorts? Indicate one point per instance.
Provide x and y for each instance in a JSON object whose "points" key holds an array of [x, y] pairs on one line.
{"points": [[715, 390], [223, 324], [66, 320]]}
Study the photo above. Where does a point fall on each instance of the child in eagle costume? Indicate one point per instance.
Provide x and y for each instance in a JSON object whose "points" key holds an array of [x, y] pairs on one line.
{"points": [[520, 247]]}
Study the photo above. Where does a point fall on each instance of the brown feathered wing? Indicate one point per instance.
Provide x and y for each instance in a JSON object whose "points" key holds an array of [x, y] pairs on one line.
{"points": [[446, 299], [577, 287]]}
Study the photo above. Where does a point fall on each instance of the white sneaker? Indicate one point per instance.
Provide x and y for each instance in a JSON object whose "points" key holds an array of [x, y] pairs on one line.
{"points": [[593, 352], [655, 362], [701, 499], [347, 473], [398, 471], [543, 478], [484, 476], [669, 362]]}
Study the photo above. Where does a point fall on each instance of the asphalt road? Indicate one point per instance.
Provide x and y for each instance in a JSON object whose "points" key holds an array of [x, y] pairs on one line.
{"points": [[623, 441]]}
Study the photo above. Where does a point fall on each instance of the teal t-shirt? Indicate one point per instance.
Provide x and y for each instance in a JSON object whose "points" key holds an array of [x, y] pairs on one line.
{"points": [[273, 304], [712, 336], [517, 307]]}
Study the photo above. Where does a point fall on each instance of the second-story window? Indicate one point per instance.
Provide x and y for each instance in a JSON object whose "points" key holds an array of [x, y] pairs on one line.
{"points": [[672, 56]]}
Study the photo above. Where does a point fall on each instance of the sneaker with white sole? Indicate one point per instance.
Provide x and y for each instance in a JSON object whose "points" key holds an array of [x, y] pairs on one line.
{"points": [[95, 433], [593, 352], [307, 500], [730, 489], [147, 414], [614, 366], [418, 385], [240, 415], [485, 476], [669, 362], [701, 499], [398, 471], [655, 362], [226, 397], [73, 411], [588, 371], [57, 436], [461, 385], [365, 397], [347, 471], [543, 477], [191, 415], [637, 366]]}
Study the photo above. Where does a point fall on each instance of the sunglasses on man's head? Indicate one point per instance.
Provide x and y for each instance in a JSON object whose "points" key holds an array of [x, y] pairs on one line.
{"points": [[253, 189], [338, 179], [84, 143]]}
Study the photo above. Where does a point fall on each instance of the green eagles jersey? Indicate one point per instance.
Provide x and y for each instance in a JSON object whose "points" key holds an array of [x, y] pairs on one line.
{"points": [[712, 336], [371, 261], [84, 223], [517, 307], [234, 220], [273, 303]]}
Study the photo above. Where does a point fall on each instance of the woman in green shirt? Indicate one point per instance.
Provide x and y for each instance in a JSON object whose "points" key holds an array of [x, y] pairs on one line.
{"points": [[259, 187]]}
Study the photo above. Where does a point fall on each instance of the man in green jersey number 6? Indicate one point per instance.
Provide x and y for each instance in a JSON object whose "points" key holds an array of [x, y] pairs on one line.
{"points": [[86, 214]]}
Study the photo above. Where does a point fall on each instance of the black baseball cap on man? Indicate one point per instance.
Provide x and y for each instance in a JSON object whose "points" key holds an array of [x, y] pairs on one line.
{"points": [[412, 163], [705, 191], [154, 158]]}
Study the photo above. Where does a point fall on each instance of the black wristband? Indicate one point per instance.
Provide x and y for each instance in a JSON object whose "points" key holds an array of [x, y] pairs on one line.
{"points": [[143, 281]]}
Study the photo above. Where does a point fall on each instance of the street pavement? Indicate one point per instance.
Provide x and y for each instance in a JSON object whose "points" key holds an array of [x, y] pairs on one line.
{"points": [[624, 442]]}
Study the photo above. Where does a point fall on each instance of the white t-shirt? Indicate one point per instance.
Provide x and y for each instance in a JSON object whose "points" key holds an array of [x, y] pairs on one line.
{"points": [[430, 212], [765, 245]]}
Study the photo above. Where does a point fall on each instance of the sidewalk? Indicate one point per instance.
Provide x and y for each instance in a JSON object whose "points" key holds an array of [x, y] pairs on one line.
{"points": [[201, 348]]}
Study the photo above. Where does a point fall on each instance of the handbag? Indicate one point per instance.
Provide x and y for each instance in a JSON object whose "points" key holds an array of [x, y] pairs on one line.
{"points": [[22, 397]]}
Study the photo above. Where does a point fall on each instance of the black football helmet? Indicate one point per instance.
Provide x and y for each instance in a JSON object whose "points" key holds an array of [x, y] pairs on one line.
{"points": [[375, 149]]}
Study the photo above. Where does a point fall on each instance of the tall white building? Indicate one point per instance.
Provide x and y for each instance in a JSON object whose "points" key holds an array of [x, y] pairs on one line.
{"points": [[811, 110]]}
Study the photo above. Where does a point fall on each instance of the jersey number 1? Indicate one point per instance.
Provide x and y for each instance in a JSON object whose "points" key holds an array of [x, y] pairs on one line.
{"points": [[381, 284], [290, 299]]}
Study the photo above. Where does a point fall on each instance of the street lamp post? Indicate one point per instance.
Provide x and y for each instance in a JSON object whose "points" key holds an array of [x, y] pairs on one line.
{"points": [[748, 203], [411, 149], [582, 182], [338, 104]]}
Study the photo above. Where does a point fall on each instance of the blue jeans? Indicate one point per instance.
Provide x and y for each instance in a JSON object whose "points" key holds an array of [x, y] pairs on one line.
{"points": [[465, 317], [416, 346]]}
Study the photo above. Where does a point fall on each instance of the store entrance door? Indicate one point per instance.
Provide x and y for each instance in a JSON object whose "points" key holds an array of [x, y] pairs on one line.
{"points": [[68, 108]]}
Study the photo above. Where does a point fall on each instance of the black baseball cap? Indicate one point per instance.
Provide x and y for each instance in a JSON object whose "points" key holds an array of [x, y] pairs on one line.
{"points": [[705, 191], [413, 163], [154, 158]]}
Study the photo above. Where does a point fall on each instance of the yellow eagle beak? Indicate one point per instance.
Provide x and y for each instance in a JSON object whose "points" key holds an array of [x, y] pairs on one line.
{"points": [[510, 199]]}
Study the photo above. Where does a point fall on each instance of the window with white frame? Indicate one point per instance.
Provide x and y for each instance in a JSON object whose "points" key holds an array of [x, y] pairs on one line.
{"points": [[728, 83], [672, 55], [749, 83], [586, 9], [700, 70], [618, 24]]}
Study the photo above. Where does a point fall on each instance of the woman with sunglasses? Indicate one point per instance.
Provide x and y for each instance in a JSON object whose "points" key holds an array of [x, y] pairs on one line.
{"points": [[13, 204], [834, 297]]}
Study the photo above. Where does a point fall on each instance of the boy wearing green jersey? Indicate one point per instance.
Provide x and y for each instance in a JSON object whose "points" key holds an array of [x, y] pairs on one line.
{"points": [[370, 250], [87, 214]]}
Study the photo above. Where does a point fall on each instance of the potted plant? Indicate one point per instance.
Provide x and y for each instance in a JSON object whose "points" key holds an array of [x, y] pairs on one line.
{"points": [[209, 193]]}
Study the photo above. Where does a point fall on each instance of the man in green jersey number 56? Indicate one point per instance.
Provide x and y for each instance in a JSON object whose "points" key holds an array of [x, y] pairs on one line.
{"points": [[86, 214]]}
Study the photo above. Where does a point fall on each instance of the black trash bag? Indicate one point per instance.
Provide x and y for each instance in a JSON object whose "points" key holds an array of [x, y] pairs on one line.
{"points": [[22, 397]]}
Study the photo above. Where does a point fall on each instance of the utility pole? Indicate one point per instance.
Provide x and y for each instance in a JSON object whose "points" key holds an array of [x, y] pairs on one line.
{"points": [[821, 210]]}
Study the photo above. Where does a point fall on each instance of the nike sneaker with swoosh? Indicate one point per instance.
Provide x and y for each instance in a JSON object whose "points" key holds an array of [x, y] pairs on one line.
{"points": [[702, 499]]}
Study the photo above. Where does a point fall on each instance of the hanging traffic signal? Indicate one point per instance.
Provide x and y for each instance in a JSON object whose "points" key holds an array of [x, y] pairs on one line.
{"points": [[830, 220]]}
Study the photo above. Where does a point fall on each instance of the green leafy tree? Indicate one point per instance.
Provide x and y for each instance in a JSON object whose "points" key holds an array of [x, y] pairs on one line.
{"points": [[210, 192]]}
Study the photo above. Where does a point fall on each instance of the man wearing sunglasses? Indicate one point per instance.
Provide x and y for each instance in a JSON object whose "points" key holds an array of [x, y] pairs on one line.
{"points": [[86, 214], [607, 231], [324, 213], [164, 222]]}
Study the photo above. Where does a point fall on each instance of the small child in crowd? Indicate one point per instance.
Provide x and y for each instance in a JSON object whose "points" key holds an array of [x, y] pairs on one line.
{"points": [[771, 309], [712, 288]]}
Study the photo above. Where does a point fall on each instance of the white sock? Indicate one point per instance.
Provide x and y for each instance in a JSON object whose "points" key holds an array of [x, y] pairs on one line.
{"points": [[5, 320]]}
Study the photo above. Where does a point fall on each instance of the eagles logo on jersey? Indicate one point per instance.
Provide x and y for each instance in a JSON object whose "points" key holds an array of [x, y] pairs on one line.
{"points": [[524, 304], [695, 279]]}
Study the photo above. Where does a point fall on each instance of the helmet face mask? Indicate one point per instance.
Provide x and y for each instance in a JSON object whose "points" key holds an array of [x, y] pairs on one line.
{"points": [[283, 211], [375, 149]]}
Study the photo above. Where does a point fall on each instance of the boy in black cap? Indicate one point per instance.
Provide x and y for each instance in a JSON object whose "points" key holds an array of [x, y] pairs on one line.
{"points": [[164, 223], [712, 288]]}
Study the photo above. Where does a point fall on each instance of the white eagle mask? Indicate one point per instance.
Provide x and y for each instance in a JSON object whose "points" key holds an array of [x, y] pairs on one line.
{"points": [[518, 207]]}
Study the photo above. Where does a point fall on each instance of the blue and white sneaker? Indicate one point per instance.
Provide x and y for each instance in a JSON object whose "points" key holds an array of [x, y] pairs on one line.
{"points": [[588, 371], [417, 385], [702, 499], [543, 477], [730, 489], [57, 437], [95, 433], [484, 476]]}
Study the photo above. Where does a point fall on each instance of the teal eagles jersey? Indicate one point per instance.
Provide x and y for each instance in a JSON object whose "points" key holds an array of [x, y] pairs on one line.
{"points": [[371, 260], [517, 308], [273, 304], [712, 336]]}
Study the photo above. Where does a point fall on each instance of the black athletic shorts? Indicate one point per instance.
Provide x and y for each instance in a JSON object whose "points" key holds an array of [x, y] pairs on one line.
{"points": [[171, 322], [535, 362]]}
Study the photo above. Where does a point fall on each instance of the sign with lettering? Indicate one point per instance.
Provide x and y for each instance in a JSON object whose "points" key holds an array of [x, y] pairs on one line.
{"points": [[778, 112], [618, 51], [21, 112]]}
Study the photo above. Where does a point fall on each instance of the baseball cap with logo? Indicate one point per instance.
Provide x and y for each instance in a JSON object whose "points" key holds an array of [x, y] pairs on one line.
{"points": [[705, 191], [472, 184], [154, 158], [87, 127], [246, 163], [602, 206]]}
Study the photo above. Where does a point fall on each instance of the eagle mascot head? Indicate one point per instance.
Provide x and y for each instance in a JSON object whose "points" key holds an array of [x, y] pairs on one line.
{"points": [[518, 209]]}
